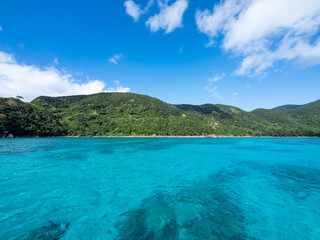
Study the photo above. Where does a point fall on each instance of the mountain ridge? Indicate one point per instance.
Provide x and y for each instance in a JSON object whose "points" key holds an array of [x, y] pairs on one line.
{"points": [[130, 114]]}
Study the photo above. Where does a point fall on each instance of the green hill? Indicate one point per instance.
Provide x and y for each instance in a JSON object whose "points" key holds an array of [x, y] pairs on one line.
{"points": [[122, 114], [129, 114], [24, 119], [286, 107]]}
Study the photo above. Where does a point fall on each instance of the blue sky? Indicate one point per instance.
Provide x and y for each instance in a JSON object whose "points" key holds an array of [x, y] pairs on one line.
{"points": [[235, 52]]}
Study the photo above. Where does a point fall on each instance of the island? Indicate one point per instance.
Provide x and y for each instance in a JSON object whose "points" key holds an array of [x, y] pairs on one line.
{"points": [[130, 114]]}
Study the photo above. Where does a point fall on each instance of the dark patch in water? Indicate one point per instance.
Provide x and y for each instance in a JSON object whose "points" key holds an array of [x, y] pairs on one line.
{"points": [[202, 211], [159, 145], [215, 141], [141, 144], [154, 220], [20, 151], [68, 156], [106, 150], [299, 181], [53, 231], [264, 149], [212, 208]]}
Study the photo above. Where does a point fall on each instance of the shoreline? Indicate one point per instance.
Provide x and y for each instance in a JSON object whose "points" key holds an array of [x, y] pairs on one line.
{"points": [[163, 137], [187, 137]]}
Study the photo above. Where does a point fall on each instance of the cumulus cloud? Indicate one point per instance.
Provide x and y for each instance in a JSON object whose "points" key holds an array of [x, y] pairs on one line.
{"points": [[134, 10], [217, 77], [169, 17], [31, 81], [115, 58], [264, 32], [118, 88]]}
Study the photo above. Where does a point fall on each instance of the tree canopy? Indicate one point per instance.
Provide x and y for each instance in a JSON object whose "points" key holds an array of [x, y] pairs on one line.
{"points": [[129, 114]]}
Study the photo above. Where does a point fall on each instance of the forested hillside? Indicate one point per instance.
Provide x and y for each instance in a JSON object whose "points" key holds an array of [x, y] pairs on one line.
{"points": [[129, 114], [23, 119]]}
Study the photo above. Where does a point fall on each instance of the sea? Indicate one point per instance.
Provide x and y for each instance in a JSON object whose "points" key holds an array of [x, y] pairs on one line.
{"points": [[160, 188]]}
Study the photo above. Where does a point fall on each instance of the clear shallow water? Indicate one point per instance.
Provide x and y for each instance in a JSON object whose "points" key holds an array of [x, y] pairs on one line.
{"points": [[98, 188]]}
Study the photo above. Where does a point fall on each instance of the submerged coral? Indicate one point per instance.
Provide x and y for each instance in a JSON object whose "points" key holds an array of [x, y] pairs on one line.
{"points": [[53, 231], [201, 211], [217, 207]]}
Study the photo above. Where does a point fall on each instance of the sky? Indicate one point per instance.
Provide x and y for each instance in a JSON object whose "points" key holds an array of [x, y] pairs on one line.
{"points": [[246, 53]]}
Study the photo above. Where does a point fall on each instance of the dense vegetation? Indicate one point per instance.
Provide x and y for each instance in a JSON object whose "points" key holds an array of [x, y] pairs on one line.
{"points": [[124, 114], [24, 119]]}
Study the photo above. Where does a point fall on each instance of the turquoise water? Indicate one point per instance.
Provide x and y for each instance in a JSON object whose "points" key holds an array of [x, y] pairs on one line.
{"points": [[146, 188]]}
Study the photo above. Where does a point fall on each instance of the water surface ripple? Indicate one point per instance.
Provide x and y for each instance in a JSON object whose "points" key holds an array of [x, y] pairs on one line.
{"points": [[171, 188]]}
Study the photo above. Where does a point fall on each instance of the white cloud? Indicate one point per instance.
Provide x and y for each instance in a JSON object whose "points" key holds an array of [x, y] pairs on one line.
{"points": [[134, 10], [6, 58], [56, 61], [170, 16], [115, 58], [1, 29], [264, 32], [118, 88], [235, 95], [217, 77], [213, 90], [31, 81]]}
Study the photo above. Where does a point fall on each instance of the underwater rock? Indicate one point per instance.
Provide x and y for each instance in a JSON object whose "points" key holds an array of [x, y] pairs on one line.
{"points": [[53, 231], [154, 220], [213, 208], [201, 211], [299, 181], [305, 175]]}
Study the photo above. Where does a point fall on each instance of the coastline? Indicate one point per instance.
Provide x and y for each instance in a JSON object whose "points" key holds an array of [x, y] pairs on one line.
{"points": [[163, 137], [190, 137]]}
